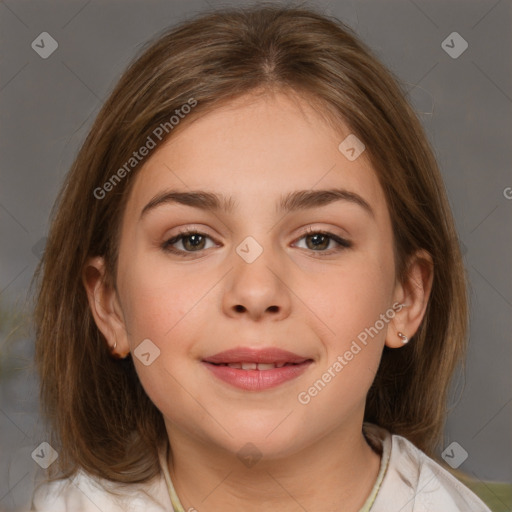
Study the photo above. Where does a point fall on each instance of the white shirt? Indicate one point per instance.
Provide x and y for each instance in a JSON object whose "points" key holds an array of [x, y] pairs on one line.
{"points": [[408, 481]]}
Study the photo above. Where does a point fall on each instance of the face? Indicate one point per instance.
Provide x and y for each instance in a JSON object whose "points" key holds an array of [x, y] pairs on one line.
{"points": [[310, 278]]}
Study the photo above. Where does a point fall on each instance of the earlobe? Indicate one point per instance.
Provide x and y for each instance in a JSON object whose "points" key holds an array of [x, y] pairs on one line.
{"points": [[403, 337], [412, 295], [104, 306]]}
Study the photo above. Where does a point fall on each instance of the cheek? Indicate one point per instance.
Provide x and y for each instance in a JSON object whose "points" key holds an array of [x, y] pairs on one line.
{"points": [[352, 310], [355, 296], [163, 305], [169, 309], [355, 308]]}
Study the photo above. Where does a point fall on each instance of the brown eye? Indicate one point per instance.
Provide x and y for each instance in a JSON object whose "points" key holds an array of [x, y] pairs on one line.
{"points": [[191, 241], [319, 241]]}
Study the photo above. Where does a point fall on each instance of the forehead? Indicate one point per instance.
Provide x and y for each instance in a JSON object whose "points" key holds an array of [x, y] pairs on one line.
{"points": [[254, 150]]}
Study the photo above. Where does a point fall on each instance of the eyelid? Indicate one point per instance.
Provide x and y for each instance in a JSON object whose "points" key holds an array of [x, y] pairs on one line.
{"points": [[342, 242], [314, 229], [182, 233]]}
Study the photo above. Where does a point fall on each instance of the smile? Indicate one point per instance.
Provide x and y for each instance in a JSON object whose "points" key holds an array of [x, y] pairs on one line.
{"points": [[256, 369], [255, 366]]}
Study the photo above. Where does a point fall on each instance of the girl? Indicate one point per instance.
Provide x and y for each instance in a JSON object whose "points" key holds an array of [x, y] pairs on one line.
{"points": [[252, 296]]}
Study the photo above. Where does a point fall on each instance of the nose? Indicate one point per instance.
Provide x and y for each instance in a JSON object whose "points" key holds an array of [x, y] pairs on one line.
{"points": [[258, 288]]}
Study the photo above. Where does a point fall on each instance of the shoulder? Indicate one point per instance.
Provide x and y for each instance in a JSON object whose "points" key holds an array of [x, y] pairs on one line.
{"points": [[414, 482], [89, 494]]}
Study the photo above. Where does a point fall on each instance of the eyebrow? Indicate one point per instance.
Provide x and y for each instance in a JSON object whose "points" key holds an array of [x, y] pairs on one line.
{"points": [[293, 201]]}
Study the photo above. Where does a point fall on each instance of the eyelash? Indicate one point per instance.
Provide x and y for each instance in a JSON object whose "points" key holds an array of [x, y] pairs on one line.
{"points": [[342, 243]]}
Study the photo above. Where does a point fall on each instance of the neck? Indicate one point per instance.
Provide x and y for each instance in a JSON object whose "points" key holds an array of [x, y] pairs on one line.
{"points": [[337, 473]]}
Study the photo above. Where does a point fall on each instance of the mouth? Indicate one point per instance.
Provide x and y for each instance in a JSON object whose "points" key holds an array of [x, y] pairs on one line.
{"points": [[256, 369], [254, 366]]}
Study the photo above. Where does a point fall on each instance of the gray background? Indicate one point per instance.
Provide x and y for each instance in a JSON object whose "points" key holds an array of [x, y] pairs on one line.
{"points": [[47, 106]]}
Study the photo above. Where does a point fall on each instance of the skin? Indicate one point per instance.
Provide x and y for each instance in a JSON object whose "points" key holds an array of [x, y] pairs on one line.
{"points": [[314, 456]]}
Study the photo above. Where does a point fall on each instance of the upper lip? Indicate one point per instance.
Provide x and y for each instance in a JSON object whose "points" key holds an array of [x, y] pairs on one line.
{"points": [[255, 355]]}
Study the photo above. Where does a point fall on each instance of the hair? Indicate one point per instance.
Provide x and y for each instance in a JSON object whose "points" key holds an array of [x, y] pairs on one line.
{"points": [[102, 419]]}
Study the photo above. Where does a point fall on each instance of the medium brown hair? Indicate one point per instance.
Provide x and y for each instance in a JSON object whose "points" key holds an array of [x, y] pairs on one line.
{"points": [[102, 418]]}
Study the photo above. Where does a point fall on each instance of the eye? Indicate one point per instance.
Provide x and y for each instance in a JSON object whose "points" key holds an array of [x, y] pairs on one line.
{"points": [[190, 240], [318, 241]]}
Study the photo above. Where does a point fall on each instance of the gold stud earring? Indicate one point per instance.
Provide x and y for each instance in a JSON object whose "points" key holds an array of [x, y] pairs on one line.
{"points": [[403, 337], [113, 352], [113, 349]]}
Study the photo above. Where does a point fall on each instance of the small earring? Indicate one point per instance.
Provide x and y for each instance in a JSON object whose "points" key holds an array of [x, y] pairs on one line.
{"points": [[114, 354], [403, 337]]}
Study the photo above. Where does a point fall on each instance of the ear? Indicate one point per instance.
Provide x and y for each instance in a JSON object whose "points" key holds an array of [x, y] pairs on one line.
{"points": [[105, 306], [412, 295]]}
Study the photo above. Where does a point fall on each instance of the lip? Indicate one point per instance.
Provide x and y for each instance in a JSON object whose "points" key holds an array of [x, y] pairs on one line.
{"points": [[256, 380], [254, 355]]}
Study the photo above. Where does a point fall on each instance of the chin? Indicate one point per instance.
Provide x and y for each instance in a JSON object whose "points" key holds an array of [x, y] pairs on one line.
{"points": [[271, 438]]}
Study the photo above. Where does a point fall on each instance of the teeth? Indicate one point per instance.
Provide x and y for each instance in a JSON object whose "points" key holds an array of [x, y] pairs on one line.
{"points": [[266, 366], [255, 366]]}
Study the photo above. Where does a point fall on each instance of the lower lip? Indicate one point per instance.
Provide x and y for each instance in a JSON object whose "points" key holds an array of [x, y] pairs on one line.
{"points": [[257, 380]]}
